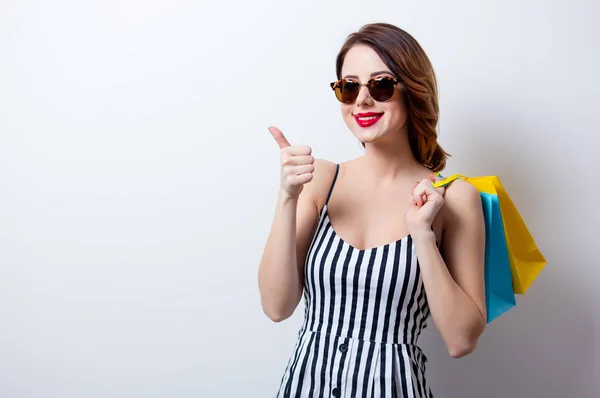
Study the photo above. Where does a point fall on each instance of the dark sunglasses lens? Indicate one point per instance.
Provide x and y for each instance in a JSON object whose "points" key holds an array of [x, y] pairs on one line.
{"points": [[382, 89], [348, 91]]}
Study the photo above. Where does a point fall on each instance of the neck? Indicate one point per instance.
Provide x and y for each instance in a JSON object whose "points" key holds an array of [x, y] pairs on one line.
{"points": [[389, 160]]}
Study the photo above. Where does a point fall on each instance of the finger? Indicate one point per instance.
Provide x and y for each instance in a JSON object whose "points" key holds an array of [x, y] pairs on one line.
{"points": [[421, 186], [434, 178], [426, 182], [441, 190], [298, 150], [426, 186], [422, 190], [412, 201], [297, 170], [298, 160], [301, 179], [418, 198], [279, 137], [417, 194]]}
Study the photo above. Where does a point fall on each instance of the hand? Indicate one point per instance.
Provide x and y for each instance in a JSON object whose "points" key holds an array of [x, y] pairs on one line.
{"points": [[297, 164], [424, 204]]}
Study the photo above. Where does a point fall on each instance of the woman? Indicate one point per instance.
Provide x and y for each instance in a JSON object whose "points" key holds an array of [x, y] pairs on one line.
{"points": [[372, 245]]}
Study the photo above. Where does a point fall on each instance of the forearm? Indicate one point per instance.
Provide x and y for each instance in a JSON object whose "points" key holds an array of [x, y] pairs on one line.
{"points": [[278, 277], [455, 314]]}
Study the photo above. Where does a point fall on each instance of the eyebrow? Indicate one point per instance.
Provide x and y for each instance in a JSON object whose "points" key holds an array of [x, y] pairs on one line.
{"points": [[381, 72]]}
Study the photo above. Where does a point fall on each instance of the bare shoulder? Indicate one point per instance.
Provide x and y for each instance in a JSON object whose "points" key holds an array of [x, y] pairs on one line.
{"points": [[322, 179], [460, 190], [461, 200], [324, 169]]}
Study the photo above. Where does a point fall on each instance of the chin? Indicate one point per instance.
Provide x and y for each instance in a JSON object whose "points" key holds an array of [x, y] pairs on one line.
{"points": [[367, 136]]}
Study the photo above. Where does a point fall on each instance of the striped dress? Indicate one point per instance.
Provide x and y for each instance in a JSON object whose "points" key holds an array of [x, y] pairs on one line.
{"points": [[364, 311]]}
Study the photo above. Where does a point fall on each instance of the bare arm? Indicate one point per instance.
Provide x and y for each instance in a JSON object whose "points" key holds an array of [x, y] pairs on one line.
{"points": [[454, 278], [281, 269], [281, 272]]}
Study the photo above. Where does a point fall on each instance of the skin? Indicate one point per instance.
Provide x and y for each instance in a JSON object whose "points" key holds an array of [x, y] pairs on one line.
{"points": [[371, 194]]}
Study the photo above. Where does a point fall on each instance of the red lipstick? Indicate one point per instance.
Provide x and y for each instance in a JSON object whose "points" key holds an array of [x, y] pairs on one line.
{"points": [[367, 119]]}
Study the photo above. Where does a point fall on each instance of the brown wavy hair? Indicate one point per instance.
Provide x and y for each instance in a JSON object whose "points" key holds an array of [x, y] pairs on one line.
{"points": [[403, 55]]}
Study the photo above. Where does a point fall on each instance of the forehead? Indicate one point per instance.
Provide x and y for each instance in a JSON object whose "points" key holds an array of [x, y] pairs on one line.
{"points": [[361, 61]]}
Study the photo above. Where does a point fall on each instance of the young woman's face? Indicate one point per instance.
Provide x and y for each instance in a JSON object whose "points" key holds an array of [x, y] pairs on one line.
{"points": [[368, 119]]}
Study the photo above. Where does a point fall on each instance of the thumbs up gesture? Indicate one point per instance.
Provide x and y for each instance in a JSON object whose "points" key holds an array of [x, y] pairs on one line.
{"points": [[297, 164]]}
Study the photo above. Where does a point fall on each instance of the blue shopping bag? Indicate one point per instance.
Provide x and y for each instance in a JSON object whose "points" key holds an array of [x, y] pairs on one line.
{"points": [[499, 294]]}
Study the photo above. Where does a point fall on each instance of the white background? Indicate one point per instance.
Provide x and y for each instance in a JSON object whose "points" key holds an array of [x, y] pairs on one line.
{"points": [[138, 181]]}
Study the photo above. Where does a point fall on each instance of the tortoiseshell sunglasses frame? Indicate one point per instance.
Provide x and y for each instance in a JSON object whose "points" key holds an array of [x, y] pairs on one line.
{"points": [[336, 87]]}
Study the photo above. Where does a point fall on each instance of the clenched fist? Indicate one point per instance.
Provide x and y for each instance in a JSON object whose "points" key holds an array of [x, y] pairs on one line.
{"points": [[425, 203], [297, 164]]}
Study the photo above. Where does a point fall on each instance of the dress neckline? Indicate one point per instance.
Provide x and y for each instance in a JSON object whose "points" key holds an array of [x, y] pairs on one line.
{"points": [[326, 214]]}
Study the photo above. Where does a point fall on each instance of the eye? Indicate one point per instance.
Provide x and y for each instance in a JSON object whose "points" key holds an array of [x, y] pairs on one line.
{"points": [[350, 85]]}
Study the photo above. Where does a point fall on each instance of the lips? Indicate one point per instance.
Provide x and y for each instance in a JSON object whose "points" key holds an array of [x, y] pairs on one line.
{"points": [[367, 119]]}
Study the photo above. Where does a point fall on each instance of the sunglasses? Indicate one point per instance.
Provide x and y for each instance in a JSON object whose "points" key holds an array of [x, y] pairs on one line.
{"points": [[381, 89]]}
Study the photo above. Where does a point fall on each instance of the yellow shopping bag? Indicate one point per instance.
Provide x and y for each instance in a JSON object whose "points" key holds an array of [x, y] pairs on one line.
{"points": [[526, 260]]}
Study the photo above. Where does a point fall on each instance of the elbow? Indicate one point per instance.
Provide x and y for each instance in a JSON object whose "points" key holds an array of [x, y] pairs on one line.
{"points": [[279, 308], [462, 348], [466, 342], [276, 315]]}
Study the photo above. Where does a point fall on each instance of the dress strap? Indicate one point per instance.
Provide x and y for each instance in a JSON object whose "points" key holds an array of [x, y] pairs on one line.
{"points": [[337, 170]]}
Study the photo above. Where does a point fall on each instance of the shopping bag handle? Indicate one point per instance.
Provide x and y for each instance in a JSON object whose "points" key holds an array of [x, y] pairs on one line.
{"points": [[447, 180]]}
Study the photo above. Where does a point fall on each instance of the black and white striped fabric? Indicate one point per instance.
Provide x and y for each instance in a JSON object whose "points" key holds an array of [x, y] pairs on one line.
{"points": [[364, 311]]}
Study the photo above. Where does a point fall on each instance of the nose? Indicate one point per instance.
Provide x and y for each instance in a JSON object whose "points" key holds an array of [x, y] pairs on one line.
{"points": [[364, 98]]}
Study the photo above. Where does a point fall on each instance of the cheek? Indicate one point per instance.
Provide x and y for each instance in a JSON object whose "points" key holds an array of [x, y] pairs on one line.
{"points": [[347, 112], [398, 115]]}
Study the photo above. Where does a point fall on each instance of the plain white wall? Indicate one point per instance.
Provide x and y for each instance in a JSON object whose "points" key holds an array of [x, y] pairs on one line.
{"points": [[138, 181]]}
